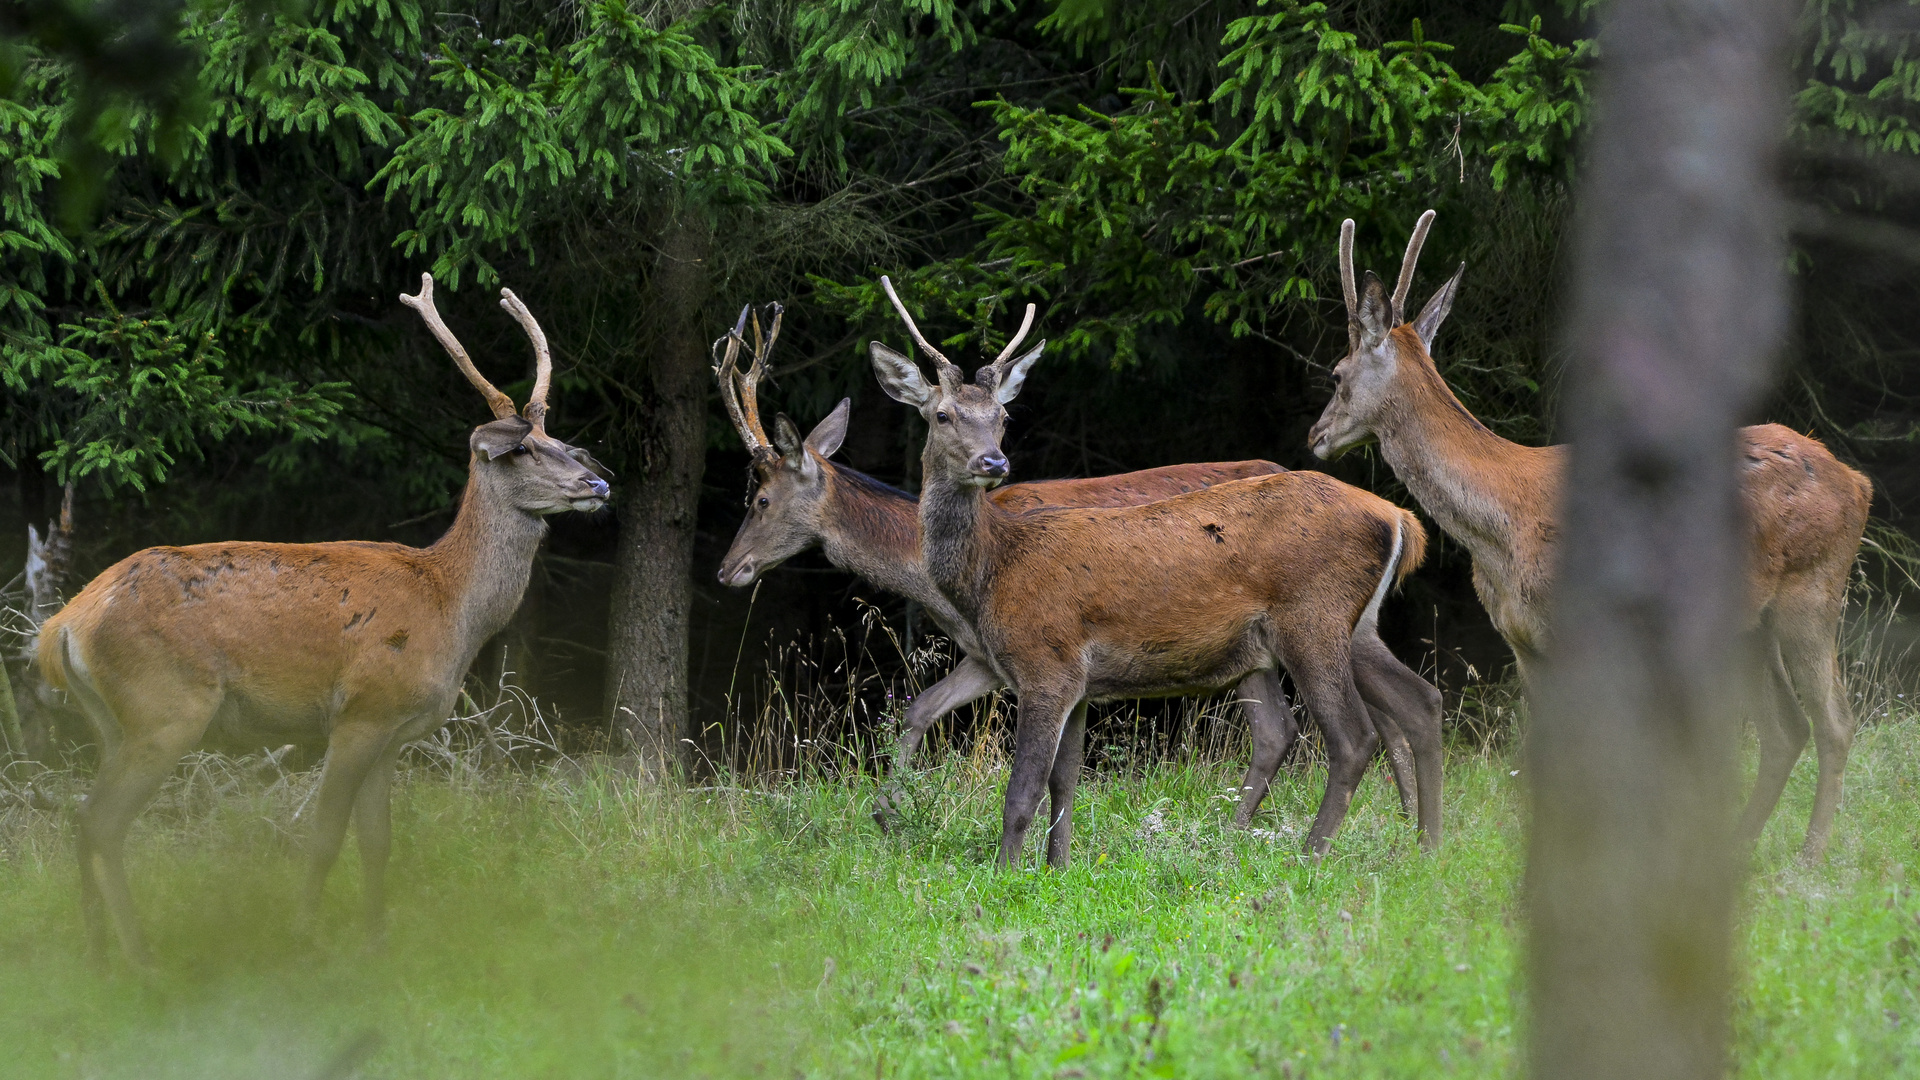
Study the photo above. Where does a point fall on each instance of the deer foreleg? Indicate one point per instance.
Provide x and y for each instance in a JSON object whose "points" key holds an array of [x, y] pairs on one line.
{"points": [[969, 680], [352, 751], [1061, 784], [1036, 742], [373, 829]]}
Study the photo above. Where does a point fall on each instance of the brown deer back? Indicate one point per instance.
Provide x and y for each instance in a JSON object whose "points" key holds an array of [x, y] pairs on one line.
{"points": [[241, 617], [1170, 597]]}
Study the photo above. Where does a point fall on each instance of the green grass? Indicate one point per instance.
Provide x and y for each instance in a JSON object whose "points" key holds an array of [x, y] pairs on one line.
{"points": [[564, 924]]}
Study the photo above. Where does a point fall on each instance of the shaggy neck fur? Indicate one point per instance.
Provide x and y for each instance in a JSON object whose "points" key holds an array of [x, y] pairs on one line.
{"points": [[486, 558], [956, 529]]}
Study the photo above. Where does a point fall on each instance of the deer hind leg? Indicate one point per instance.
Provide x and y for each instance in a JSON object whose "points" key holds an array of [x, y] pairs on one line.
{"points": [[1036, 742], [144, 739], [1814, 667], [1274, 733], [1061, 784], [1782, 726], [373, 830], [1394, 690], [968, 681], [352, 751], [1325, 678], [1398, 751]]}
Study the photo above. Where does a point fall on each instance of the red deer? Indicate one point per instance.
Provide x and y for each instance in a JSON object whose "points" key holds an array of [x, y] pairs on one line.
{"points": [[1190, 593], [362, 644], [1807, 512], [803, 499]]}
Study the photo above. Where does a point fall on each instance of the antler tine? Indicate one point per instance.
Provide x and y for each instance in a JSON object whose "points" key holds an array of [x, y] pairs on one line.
{"points": [[749, 382], [727, 370], [1349, 290], [536, 410], [1407, 263], [501, 404], [1026, 324], [949, 373]]}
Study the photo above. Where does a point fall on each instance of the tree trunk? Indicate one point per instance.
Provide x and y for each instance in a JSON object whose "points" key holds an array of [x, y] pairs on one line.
{"points": [[1680, 304], [658, 500]]}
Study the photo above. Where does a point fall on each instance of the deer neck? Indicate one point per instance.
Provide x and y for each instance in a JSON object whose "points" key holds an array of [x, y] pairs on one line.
{"points": [[956, 532], [486, 558], [873, 530], [1483, 490]]}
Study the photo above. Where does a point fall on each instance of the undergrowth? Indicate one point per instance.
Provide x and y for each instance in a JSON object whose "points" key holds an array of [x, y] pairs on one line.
{"points": [[554, 915]]}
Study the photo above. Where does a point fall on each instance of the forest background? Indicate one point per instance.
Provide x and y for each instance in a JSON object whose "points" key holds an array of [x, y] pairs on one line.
{"points": [[210, 208]]}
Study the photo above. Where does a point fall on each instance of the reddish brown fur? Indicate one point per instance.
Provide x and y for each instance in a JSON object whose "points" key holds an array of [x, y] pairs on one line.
{"points": [[361, 646], [1498, 499], [1189, 593], [1286, 557], [1126, 489]]}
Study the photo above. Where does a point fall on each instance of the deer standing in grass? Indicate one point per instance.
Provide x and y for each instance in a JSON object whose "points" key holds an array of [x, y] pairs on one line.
{"points": [[1807, 513], [362, 644], [802, 499], [1187, 594]]}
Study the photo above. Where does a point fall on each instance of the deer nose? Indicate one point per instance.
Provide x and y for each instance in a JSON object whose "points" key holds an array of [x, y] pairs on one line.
{"points": [[599, 486], [992, 463], [736, 576]]}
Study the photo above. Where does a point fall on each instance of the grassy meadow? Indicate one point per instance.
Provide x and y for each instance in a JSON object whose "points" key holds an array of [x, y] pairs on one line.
{"points": [[568, 921]]}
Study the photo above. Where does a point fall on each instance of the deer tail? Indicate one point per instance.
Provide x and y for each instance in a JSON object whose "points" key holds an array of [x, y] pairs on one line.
{"points": [[50, 655], [1413, 550]]}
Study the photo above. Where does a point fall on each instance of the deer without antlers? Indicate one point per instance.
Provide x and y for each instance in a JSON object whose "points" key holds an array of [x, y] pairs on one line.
{"points": [[802, 498], [362, 644], [1807, 513], [1192, 592]]}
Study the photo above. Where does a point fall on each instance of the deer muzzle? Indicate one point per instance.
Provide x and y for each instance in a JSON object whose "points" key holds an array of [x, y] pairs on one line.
{"points": [[989, 465]]}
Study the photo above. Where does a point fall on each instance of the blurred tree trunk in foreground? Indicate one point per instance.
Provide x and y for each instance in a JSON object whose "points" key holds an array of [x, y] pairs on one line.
{"points": [[653, 583], [1680, 305]]}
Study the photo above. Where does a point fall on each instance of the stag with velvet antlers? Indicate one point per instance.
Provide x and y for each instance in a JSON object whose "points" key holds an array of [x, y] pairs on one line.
{"points": [[803, 499], [1187, 594], [1805, 510], [360, 645]]}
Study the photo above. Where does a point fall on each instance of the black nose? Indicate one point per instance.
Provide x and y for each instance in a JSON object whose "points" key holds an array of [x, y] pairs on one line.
{"points": [[991, 463], [599, 486]]}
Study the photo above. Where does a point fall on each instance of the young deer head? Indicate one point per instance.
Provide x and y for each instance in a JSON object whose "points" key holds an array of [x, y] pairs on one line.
{"points": [[1383, 352], [514, 458], [790, 483], [965, 420]]}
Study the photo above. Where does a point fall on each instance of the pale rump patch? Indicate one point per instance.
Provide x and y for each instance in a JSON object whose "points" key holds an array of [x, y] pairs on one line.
{"points": [[1371, 616]]}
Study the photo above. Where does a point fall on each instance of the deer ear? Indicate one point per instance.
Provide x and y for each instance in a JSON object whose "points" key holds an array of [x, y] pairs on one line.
{"points": [[1014, 375], [786, 437], [899, 376], [828, 434], [503, 436], [1435, 313], [1376, 311]]}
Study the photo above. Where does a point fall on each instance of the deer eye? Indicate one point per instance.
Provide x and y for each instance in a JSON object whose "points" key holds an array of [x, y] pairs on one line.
{"points": [[518, 450], [763, 502], [941, 415]]}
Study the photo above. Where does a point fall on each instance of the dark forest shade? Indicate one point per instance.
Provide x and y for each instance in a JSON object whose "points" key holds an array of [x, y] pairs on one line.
{"points": [[277, 237]]}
